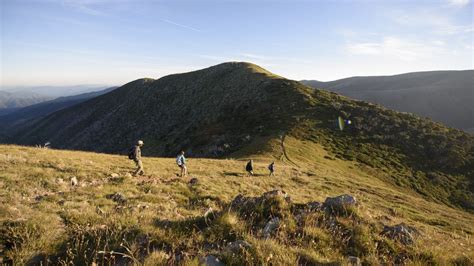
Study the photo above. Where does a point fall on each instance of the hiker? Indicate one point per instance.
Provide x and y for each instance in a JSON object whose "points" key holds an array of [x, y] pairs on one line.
{"points": [[249, 168], [136, 155], [271, 167], [181, 162]]}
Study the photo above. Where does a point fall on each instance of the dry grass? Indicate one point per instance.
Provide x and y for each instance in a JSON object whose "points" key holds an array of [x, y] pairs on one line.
{"points": [[162, 218]]}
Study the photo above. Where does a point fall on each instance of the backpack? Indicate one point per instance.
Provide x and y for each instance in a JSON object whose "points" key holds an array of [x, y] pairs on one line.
{"points": [[178, 160], [131, 153]]}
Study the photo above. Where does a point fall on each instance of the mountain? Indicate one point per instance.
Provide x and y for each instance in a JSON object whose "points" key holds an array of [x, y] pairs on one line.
{"points": [[444, 96], [11, 101], [22, 117], [56, 91], [240, 110]]}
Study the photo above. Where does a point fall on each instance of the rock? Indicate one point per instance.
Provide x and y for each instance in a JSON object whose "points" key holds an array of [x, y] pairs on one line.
{"points": [[340, 202], [314, 206], [271, 226], [353, 261], [237, 245], [117, 197], [211, 260], [114, 175], [128, 175], [193, 181], [276, 193], [401, 232], [74, 181]]}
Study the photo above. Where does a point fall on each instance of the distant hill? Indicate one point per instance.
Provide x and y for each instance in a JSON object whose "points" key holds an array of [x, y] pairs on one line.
{"points": [[241, 110], [444, 96], [22, 117], [56, 91], [11, 101]]}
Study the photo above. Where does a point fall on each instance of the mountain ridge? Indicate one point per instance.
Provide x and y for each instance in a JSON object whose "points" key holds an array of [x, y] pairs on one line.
{"points": [[444, 96], [239, 110]]}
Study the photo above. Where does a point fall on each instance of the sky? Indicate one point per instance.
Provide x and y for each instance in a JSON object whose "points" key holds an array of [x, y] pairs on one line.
{"points": [[112, 42]]}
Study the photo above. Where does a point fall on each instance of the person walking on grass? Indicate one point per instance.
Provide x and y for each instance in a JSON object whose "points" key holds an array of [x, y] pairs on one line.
{"points": [[136, 155], [249, 168], [271, 167], [181, 162]]}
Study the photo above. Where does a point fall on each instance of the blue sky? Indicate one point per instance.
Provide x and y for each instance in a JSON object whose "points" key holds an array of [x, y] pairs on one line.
{"points": [[68, 42]]}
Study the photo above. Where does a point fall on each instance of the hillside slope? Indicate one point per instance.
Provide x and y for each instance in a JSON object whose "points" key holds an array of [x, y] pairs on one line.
{"points": [[240, 109], [11, 101], [114, 219], [25, 116], [444, 96]]}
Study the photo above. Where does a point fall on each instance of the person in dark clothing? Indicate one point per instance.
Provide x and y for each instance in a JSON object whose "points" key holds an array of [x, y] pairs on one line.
{"points": [[249, 168], [271, 167]]}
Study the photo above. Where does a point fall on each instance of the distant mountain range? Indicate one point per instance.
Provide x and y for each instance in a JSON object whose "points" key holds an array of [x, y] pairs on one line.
{"points": [[55, 91], [22, 117], [444, 96], [241, 110], [11, 101]]}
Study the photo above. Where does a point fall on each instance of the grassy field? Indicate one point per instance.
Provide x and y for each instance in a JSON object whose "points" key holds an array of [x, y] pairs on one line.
{"points": [[160, 218]]}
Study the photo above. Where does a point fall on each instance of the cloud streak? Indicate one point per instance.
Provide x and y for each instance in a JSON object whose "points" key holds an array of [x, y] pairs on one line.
{"points": [[181, 25]]}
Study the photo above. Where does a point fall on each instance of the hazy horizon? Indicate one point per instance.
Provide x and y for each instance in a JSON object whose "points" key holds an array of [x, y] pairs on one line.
{"points": [[75, 42]]}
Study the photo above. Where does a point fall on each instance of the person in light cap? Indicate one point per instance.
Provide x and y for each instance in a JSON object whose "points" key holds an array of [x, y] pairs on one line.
{"points": [[137, 158]]}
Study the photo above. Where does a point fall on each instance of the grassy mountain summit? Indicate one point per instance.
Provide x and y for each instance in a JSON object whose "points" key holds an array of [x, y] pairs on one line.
{"points": [[239, 109], [405, 172]]}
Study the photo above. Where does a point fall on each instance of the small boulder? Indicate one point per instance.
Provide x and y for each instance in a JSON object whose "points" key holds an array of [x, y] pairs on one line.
{"points": [[211, 260], [114, 175], [401, 232], [74, 181], [276, 193], [271, 227], [353, 261], [314, 206], [340, 202]]}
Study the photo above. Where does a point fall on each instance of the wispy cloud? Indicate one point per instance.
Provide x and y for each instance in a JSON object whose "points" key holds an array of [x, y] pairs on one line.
{"points": [[181, 25], [458, 2], [441, 23], [84, 6], [396, 48], [253, 56]]}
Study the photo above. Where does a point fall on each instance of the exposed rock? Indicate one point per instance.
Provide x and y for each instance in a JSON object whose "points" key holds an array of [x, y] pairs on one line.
{"points": [[237, 245], [128, 175], [271, 226], [276, 193], [114, 175], [340, 202], [353, 261], [117, 197], [211, 260], [401, 232], [74, 181], [314, 206]]}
